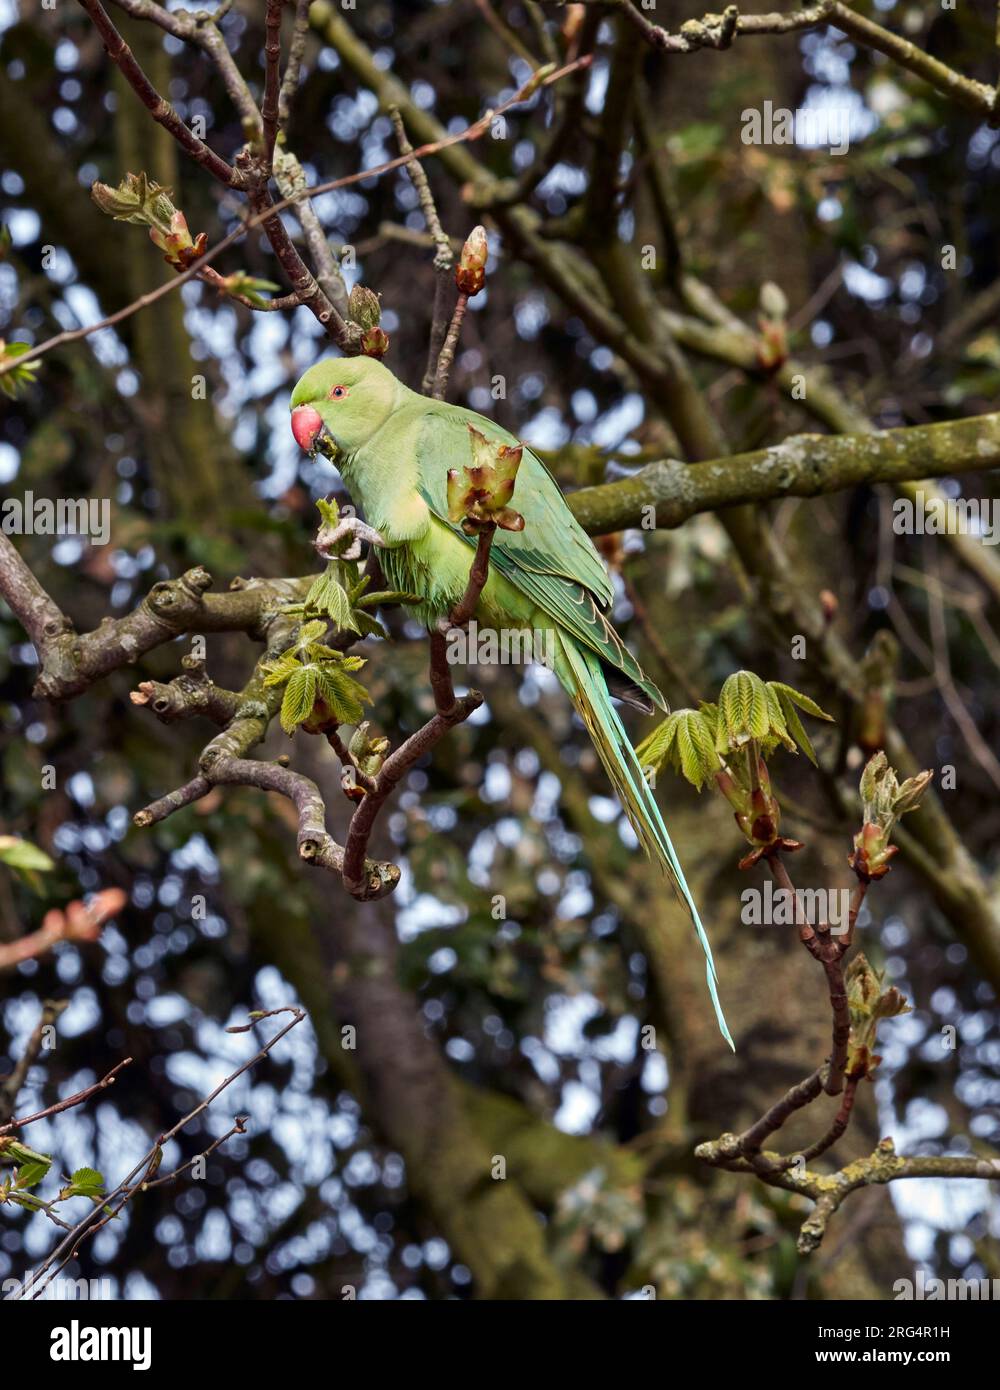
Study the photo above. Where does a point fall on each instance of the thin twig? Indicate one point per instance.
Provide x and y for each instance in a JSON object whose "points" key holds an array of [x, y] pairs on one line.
{"points": [[447, 355], [69, 1102], [11, 1087], [272, 79], [473, 132], [115, 1201], [159, 108]]}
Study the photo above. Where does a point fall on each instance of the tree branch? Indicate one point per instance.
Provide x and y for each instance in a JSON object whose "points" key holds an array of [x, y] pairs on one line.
{"points": [[720, 30], [159, 108]]}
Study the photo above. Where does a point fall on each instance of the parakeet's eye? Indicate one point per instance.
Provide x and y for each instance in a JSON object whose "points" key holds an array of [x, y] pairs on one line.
{"points": [[337, 393]]}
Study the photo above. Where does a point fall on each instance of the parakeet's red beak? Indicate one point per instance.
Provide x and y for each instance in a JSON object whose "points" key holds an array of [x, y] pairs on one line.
{"points": [[306, 425]]}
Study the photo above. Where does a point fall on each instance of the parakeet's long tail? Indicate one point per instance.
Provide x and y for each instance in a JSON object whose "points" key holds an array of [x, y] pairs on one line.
{"points": [[581, 673]]}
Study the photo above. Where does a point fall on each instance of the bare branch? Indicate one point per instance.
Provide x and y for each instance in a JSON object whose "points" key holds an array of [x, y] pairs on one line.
{"points": [[159, 108], [272, 78], [141, 1174], [69, 1102], [720, 30]]}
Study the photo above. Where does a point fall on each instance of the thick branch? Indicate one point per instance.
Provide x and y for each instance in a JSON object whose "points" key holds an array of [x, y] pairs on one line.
{"points": [[829, 1191], [807, 465], [719, 31], [71, 661]]}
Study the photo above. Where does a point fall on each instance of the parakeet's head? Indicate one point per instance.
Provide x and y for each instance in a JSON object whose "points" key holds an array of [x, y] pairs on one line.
{"points": [[347, 398]]}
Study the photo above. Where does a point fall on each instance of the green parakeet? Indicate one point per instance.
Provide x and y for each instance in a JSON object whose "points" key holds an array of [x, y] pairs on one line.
{"points": [[395, 449]]}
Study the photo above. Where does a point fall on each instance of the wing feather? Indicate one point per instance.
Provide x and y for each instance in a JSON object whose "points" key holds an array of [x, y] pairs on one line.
{"points": [[552, 561]]}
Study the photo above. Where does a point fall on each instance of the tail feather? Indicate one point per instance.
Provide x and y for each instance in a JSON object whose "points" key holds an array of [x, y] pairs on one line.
{"points": [[584, 679]]}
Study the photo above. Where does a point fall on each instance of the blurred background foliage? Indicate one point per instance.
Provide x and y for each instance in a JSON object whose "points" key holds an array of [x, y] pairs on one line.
{"points": [[523, 1033]]}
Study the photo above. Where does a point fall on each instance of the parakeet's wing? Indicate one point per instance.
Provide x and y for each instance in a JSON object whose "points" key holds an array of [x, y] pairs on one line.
{"points": [[552, 561]]}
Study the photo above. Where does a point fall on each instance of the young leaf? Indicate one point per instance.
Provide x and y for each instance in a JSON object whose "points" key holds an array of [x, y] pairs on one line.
{"points": [[310, 632], [369, 626], [694, 748], [742, 711], [797, 729], [788, 699], [685, 740], [653, 749], [329, 597], [86, 1182], [299, 698], [803, 701], [32, 1173], [277, 672], [345, 697]]}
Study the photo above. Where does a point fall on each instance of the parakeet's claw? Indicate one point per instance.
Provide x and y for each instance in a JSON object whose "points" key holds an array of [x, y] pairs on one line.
{"points": [[329, 538], [445, 625]]}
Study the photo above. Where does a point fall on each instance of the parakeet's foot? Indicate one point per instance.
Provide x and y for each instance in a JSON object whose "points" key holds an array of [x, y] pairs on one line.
{"points": [[329, 537]]}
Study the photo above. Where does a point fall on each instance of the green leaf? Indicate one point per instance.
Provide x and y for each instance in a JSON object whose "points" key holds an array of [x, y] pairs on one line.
{"points": [[742, 711], [299, 698], [14, 1151], [796, 728], [87, 1182], [685, 739], [695, 748], [653, 749], [369, 626], [310, 632], [384, 596], [26, 1201], [23, 855], [329, 511], [277, 672], [346, 698], [803, 701], [32, 1173], [328, 596]]}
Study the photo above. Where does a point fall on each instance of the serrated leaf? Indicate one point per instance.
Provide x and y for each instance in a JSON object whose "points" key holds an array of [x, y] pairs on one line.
{"points": [[685, 740], [32, 1173], [796, 728], [318, 651], [310, 632], [87, 1182], [328, 596], [384, 596], [803, 701], [345, 697], [653, 749], [299, 698], [369, 626], [279, 671], [742, 711], [695, 748]]}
